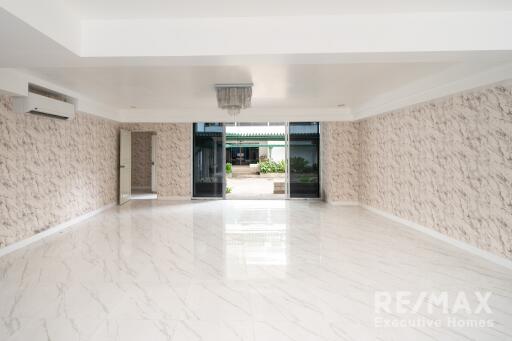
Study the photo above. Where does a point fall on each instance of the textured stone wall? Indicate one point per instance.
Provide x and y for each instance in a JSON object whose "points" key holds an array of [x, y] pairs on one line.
{"points": [[173, 157], [141, 160], [445, 164], [340, 161], [53, 170]]}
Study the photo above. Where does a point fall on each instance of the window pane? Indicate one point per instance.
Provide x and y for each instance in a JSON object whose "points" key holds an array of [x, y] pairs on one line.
{"points": [[208, 162], [304, 160]]}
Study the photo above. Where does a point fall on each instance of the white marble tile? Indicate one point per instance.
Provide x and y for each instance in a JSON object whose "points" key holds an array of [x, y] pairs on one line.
{"points": [[59, 329], [219, 301], [214, 331], [134, 330], [236, 270], [306, 331], [151, 301]]}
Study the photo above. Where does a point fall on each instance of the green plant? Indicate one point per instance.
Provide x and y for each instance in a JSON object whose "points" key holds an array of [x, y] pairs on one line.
{"points": [[304, 179], [281, 167], [265, 167], [272, 166], [229, 189], [298, 164], [229, 168]]}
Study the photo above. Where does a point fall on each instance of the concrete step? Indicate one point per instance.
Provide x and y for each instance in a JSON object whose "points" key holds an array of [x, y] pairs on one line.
{"points": [[279, 187], [245, 170]]}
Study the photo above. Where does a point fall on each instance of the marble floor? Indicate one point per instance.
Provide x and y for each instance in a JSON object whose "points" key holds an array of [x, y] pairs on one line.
{"points": [[242, 270]]}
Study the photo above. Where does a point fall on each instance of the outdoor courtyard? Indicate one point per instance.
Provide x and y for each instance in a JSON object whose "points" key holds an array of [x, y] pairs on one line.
{"points": [[247, 182]]}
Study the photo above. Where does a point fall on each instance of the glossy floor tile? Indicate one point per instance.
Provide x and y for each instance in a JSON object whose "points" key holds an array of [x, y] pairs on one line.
{"points": [[244, 270]]}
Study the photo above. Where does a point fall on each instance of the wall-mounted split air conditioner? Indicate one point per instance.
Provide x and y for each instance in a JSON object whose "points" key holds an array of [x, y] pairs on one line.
{"points": [[45, 103]]}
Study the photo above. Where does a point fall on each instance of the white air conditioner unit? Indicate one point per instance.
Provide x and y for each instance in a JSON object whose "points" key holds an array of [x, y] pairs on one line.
{"points": [[39, 104]]}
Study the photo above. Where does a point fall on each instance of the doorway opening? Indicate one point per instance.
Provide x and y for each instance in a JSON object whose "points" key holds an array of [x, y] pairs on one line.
{"points": [[255, 161], [143, 165]]}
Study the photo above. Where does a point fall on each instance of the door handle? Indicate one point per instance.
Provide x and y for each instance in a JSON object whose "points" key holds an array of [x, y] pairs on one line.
{"points": [[121, 166]]}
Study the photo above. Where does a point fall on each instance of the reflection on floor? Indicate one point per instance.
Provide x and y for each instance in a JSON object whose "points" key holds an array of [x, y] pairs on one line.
{"points": [[240, 270]]}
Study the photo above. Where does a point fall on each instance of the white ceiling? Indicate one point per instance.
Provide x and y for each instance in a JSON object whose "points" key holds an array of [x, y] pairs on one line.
{"points": [[165, 70], [138, 9], [275, 86]]}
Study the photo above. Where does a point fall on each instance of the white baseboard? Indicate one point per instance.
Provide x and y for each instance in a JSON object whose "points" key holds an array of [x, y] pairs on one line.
{"points": [[343, 203], [52, 230], [454, 242], [177, 198]]}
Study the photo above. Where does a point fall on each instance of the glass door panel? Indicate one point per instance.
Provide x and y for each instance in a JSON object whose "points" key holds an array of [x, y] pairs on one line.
{"points": [[304, 159], [208, 160]]}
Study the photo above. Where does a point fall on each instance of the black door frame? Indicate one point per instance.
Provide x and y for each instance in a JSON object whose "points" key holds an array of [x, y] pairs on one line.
{"points": [[287, 157]]}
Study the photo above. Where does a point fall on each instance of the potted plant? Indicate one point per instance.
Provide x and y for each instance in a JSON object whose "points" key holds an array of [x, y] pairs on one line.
{"points": [[229, 170]]}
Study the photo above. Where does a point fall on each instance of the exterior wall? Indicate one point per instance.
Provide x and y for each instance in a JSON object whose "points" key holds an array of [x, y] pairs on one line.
{"points": [[53, 170], [141, 160], [340, 161], [173, 157], [264, 152], [445, 164], [277, 154]]}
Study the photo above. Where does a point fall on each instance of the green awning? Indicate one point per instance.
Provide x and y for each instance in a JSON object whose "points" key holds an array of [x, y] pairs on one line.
{"points": [[254, 137], [243, 145]]}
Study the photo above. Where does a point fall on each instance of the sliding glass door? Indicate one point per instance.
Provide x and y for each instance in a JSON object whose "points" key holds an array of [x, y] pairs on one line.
{"points": [[304, 159], [208, 160]]}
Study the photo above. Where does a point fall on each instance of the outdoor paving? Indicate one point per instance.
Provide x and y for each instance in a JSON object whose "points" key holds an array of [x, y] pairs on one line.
{"points": [[252, 188]]}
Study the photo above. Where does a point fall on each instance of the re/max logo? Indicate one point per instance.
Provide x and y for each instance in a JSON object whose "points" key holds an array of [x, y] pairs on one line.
{"points": [[402, 302]]}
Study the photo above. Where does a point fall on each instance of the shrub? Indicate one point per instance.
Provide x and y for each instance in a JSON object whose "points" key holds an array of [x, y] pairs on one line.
{"points": [[272, 166], [229, 189], [298, 164], [265, 167], [304, 179], [229, 168], [281, 167]]}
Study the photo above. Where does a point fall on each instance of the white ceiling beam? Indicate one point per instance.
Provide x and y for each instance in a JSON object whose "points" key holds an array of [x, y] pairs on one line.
{"points": [[14, 82], [246, 115], [379, 33], [458, 79], [51, 18], [235, 41]]}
